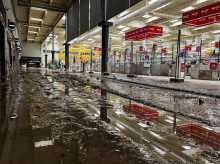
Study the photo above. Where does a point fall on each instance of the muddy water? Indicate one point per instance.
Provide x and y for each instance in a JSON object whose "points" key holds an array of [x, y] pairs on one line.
{"points": [[54, 125]]}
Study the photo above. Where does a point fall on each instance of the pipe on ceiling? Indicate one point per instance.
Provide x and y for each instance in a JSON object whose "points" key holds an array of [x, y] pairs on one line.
{"points": [[147, 8]]}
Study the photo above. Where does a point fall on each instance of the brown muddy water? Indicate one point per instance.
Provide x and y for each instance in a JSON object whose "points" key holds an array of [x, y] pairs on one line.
{"points": [[54, 126]]}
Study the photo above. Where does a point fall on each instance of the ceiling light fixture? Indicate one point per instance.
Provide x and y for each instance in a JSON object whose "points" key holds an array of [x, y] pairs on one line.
{"points": [[126, 28], [199, 28], [216, 31], [152, 19], [146, 16], [176, 24], [188, 9], [121, 26]]}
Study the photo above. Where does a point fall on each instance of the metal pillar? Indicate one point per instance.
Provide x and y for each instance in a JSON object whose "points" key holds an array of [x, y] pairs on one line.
{"points": [[105, 38], [132, 56], [91, 52], [53, 52], [45, 61], [67, 56], [46, 53], [177, 56], [185, 62], [200, 52], [218, 59]]}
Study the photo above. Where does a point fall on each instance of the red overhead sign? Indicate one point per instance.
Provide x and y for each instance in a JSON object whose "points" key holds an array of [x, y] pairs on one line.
{"points": [[144, 33], [203, 16]]}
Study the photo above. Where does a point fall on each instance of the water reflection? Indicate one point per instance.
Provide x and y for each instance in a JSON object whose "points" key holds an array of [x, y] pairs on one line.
{"points": [[103, 108], [3, 120]]}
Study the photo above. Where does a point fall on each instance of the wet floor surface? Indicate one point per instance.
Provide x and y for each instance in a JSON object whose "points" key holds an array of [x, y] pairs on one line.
{"points": [[61, 120], [52, 127]]}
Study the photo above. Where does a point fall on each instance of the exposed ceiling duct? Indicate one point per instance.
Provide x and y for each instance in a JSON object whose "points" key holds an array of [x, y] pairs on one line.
{"points": [[147, 8]]}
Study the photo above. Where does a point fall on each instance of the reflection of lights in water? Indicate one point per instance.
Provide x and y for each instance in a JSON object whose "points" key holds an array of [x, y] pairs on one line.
{"points": [[43, 143], [161, 152], [142, 125], [96, 115], [120, 126], [156, 135], [187, 147], [118, 112]]}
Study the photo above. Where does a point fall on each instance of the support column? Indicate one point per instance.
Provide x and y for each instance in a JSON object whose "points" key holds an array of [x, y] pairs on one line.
{"points": [[177, 69], [67, 56], [46, 53], [91, 54], [45, 61], [53, 52], [105, 38]]}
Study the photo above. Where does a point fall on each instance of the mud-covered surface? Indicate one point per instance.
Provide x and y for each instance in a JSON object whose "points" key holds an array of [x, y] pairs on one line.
{"points": [[191, 104], [64, 131]]}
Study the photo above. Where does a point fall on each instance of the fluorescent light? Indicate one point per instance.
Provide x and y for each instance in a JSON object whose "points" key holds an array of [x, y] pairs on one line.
{"points": [[200, 1], [152, 1], [152, 19], [216, 31], [188, 9], [34, 32], [121, 26], [36, 19], [163, 6], [175, 20], [176, 24], [126, 28], [30, 39], [199, 28], [146, 16], [64, 17]]}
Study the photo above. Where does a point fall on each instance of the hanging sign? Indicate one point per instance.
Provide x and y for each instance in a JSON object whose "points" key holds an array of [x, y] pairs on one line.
{"points": [[213, 66], [155, 47], [11, 25], [203, 16], [120, 55], [144, 33], [141, 48], [164, 48], [217, 39], [182, 67], [198, 49], [188, 45], [145, 53], [16, 40]]}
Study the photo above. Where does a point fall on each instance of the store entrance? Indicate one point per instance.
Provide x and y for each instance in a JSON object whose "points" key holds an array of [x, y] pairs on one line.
{"points": [[2, 50]]}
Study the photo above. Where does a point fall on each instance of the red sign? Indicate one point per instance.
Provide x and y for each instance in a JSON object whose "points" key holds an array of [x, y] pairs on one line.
{"points": [[213, 66], [203, 16], [100, 49], [155, 47], [146, 53], [126, 50], [141, 48], [144, 33], [182, 67], [198, 49], [216, 44], [189, 47], [164, 51]]}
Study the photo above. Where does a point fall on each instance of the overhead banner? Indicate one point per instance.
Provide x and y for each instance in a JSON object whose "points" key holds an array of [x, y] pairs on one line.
{"points": [[144, 33], [198, 44], [203, 16]]}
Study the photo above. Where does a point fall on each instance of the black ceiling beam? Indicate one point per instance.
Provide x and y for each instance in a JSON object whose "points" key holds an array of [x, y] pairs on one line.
{"points": [[23, 4]]}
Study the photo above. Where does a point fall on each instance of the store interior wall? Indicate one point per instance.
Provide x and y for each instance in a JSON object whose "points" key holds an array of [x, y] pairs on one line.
{"points": [[31, 49]]}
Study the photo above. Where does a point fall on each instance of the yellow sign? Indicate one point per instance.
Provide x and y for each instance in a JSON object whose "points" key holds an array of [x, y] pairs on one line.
{"points": [[82, 54]]}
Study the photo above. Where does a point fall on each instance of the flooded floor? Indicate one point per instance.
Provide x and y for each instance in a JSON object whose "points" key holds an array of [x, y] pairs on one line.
{"points": [[50, 117]]}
